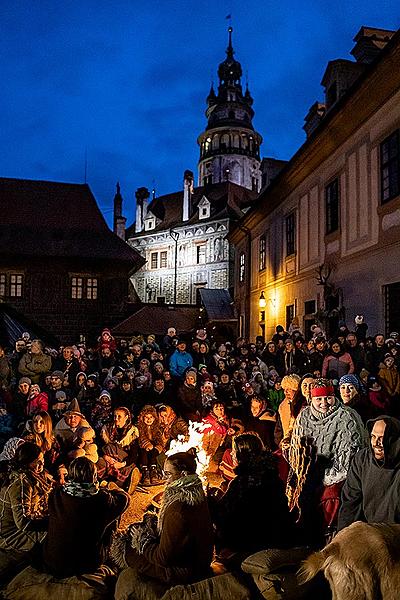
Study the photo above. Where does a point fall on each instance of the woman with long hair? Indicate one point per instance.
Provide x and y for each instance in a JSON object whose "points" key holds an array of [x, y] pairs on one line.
{"points": [[120, 450], [39, 430]]}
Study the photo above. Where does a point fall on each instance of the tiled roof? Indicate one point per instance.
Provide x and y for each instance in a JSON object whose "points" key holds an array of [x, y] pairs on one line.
{"points": [[156, 318], [46, 218], [226, 199]]}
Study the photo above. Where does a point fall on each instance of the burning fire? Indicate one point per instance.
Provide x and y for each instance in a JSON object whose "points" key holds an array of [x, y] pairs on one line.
{"points": [[195, 441]]}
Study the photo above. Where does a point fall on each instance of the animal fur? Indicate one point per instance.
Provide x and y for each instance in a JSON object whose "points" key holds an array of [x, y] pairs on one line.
{"points": [[361, 563]]}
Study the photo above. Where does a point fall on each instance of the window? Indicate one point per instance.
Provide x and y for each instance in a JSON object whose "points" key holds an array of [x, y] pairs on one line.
{"points": [[207, 180], [290, 234], [16, 286], [309, 307], [163, 259], [242, 267], [91, 288], [262, 253], [289, 315], [154, 260], [2, 284], [390, 167], [332, 206], [201, 254], [76, 287], [254, 184]]}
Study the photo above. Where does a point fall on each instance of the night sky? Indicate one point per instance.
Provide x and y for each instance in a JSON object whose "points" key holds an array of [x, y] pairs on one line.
{"points": [[126, 82]]}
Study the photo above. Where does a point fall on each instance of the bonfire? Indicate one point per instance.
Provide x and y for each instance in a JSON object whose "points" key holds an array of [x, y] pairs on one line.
{"points": [[195, 440]]}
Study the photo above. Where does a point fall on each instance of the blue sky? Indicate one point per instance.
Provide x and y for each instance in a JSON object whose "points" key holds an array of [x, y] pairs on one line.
{"points": [[126, 82]]}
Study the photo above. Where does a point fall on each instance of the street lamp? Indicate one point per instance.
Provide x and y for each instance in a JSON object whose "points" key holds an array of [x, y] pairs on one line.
{"points": [[262, 303], [175, 237]]}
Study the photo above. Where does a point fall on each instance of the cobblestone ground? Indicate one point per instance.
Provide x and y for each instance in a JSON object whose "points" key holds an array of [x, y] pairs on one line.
{"points": [[140, 501]]}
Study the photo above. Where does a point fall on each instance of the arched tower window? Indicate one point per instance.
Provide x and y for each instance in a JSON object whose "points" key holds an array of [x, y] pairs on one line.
{"points": [[224, 141], [215, 142], [235, 140]]}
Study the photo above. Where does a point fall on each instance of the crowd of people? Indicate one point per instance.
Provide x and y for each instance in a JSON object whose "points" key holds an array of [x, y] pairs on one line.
{"points": [[304, 431]]}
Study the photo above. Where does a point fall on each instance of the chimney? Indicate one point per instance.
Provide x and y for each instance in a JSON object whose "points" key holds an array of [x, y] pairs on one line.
{"points": [[187, 194], [119, 220], [142, 200]]}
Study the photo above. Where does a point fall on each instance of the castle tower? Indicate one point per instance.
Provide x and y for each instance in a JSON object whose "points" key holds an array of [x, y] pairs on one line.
{"points": [[230, 147]]}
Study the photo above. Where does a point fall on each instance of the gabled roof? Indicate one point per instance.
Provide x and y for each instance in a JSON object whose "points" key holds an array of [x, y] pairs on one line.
{"points": [[46, 218], [156, 318], [226, 199]]}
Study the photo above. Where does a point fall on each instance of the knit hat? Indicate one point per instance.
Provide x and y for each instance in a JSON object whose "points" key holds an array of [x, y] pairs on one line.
{"points": [[58, 374], [388, 355], [350, 379], [74, 408], [61, 396], [93, 377], [25, 380], [105, 393]]}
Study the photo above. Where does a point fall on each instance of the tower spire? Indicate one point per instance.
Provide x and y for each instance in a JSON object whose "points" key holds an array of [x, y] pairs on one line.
{"points": [[229, 51]]}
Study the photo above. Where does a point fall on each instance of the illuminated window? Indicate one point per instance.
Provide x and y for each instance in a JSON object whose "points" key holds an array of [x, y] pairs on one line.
{"points": [[242, 267], [16, 286], [91, 288], [163, 259], [332, 206], [76, 287], [289, 315], [390, 167], [262, 253], [2, 284], [201, 254], [290, 235], [154, 260]]}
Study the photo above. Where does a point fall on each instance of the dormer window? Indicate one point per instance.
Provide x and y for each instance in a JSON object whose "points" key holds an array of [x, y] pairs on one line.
{"points": [[204, 208], [149, 224]]}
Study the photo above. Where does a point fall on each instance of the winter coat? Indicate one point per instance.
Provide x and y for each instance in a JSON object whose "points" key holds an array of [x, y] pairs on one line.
{"points": [[335, 366], [390, 380], [214, 434], [179, 362], [176, 427], [264, 425], [189, 402], [253, 513], [36, 404], [371, 491], [34, 365], [69, 438], [77, 528], [150, 435], [23, 504]]}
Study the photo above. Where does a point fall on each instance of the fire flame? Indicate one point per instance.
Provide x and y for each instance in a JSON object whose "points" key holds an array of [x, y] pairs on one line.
{"points": [[195, 440]]}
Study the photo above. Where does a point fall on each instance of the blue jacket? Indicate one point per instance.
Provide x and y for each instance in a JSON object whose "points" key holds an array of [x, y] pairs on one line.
{"points": [[179, 362]]}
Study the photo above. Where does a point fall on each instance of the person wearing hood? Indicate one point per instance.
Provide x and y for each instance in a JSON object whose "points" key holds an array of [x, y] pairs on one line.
{"points": [[371, 490], [262, 421], [337, 362]]}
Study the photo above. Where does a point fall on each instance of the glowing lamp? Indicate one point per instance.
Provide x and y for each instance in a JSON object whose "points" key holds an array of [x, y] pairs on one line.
{"points": [[262, 301]]}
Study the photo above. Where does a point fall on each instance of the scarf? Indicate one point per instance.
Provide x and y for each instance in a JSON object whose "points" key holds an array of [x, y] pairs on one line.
{"points": [[81, 490]]}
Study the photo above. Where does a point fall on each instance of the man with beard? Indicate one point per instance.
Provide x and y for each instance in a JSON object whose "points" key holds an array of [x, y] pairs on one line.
{"points": [[371, 490]]}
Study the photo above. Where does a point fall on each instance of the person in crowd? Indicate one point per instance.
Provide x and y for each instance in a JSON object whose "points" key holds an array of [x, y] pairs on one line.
{"points": [[337, 362], [69, 365], [81, 516], [275, 394], [270, 355], [371, 490], [305, 386], [356, 351], [316, 359], [225, 391], [171, 425], [57, 403], [5, 372], [159, 393], [35, 363], [280, 335], [350, 393], [262, 421], [376, 353], [288, 409], [20, 397], [120, 451], [389, 378], [39, 430], [150, 445], [37, 400], [75, 436], [216, 434], [240, 528], [208, 395], [24, 503], [126, 393], [168, 341], [189, 404], [7, 454], [177, 546], [180, 360], [325, 438], [292, 359], [102, 413], [378, 402]]}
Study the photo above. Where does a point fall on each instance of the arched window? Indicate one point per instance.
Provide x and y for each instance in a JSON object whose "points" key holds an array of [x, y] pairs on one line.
{"points": [[215, 142], [235, 140], [224, 141]]}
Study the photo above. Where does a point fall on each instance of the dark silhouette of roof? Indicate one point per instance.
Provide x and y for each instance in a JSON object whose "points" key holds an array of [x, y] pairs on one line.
{"points": [[226, 199], [218, 304], [156, 318], [46, 218]]}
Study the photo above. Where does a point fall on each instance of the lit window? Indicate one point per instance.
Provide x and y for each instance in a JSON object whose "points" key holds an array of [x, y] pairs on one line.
{"points": [[2, 284], [201, 254], [76, 287], [262, 253], [332, 206], [163, 259], [290, 235], [16, 286], [241, 267], [154, 260], [390, 167], [91, 288]]}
